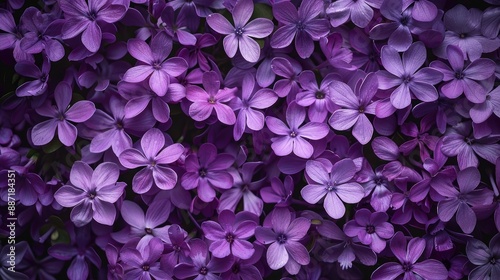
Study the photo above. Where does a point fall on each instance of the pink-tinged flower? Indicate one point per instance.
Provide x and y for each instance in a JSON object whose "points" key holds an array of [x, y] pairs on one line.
{"points": [[406, 77], [459, 202], [292, 137], [155, 157], [240, 35], [201, 264], [284, 236], [318, 99], [301, 25], [408, 265], [155, 66], [88, 19], [464, 79], [230, 234], [371, 228], [486, 258], [354, 107], [205, 101], [144, 263], [359, 11], [207, 171], [60, 116], [334, 183], [91, 193], [251, 100]]}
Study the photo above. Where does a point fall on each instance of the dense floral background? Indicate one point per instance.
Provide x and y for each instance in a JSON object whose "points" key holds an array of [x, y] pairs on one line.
{"points": [[240, 139]]}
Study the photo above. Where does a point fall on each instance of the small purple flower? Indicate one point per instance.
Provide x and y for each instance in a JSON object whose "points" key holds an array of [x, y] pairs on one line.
{"points": [[230, 234], [92, 193], [60, 115], [292, 137], [205, 101], [408, 265], [206, 171], [459, 202], [279, 192], [239, 35], [284, 237], [371, 229], [403, 75], [155, 157], [334, 183], [155, 64], [302, 25], [88, 19], [464, 79], [487, 259], [318, 99], [355, 105], [144, 264], [39, 85], [290, 71], [202, 265], [360, 12]]}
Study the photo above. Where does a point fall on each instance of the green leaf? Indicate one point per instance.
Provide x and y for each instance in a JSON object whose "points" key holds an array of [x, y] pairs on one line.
{"points": [[52, 146], [262, 11]]}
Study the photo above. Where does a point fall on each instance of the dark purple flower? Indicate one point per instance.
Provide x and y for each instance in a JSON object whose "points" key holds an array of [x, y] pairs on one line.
{"points": [[422, 10], [354, 107], [202, 265], [13, 36], [92, 193], [406, 77], [7, 264], [319, 100], [144, 263], [292, 137], [464, 79], [205, 101], [176, 26], [155, 66], [301, 24], [459, 202], [279, 192], [487, 259], [371, 228], [360, 12], [39, 85], [177, 248], [115, 269], [408, 265], [155, 157], [230, 235], [207, 171], [285, 68], [376, 184], [88, 19], [334, 183], [60, 115], [284, 236], [239, 36]]}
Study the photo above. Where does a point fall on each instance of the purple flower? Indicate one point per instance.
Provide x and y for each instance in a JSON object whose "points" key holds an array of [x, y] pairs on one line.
{"points": [[5, 269], [334, 183], [403, 75], [177, 248], [230, 234], [88, 19], [251, 99], [155, 157], [206, 171], [318, 99], [175, 27], [284, 236], [283, 67], [464, 79], [92, 193], [144, 264], [480, 112], [301, 24], [155, 64], [459, 202], [238, 36], [355, 106], [60, 116], [371, 228], [39, 85], [360, 12], [408, 265], [209, 99], [202, 265], [279, 192], [377, 184], [422, 10], [13, 36], [291, 137], [346, 249], [486, 259]]}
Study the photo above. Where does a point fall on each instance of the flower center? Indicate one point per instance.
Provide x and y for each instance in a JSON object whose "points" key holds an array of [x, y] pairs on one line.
{"points": [[459, 75], [238, 31], [202, 172], [92, 15], [300, 26], [203, 270], [370, 229], [469, 141], [281, 238], [330, 187], [404, 20], [361, 109], [320, 95], [462, 35], [92, 194], [148, 231], [211, 100], [176, 248], [293, 134], [493, 261], [407, 267], [157, 66], [145, 267], [230, 238], [406, 79]]}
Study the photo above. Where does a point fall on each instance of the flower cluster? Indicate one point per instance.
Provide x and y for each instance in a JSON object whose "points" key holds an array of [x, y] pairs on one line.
{"points": [[250, 139]]}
